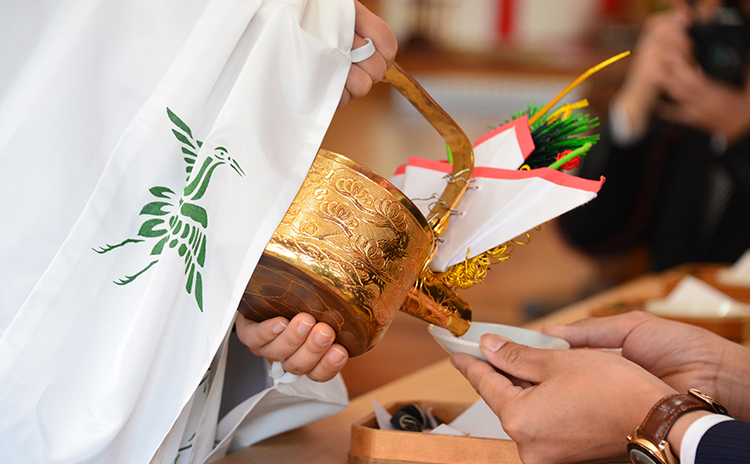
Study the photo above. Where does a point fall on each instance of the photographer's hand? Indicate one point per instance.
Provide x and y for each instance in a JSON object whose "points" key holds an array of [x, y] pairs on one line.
{"points": [[664, 38], [697, 101]]}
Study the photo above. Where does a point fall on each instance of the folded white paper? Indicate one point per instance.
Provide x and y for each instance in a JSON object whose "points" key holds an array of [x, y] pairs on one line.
{"points": [[478, 420], [738, 274], [499, 205], [693, 297], [505, 147], [445, 429], [501, 201], [382, 416]]}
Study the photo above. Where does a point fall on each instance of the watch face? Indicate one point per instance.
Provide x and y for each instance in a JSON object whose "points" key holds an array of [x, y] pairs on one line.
{"points": [[637, 456]]}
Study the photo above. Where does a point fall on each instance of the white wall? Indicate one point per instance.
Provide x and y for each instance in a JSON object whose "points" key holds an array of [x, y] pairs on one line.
{"points": [[472, 25]]}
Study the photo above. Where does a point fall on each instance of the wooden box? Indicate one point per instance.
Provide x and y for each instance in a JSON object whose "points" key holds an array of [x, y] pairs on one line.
{"points": [[370, 445]]}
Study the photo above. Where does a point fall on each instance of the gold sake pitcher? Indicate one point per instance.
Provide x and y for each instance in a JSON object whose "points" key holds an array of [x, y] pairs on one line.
{"points": [[352, 249]]}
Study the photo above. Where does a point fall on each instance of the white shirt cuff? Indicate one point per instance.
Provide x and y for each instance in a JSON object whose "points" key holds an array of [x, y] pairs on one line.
{"points": [[619, 126], [279, 375], [694, 434]]}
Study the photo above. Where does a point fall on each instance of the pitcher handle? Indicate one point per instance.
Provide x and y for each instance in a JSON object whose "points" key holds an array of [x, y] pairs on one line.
{"points": [[463, 154]]}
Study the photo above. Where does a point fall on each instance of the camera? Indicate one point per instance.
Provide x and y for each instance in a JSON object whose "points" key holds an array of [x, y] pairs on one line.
{"points": [[722, 45]]}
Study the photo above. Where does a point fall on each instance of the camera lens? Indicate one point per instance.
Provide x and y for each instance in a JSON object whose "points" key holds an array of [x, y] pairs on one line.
{"points": [[722, 50], [723, 57]]}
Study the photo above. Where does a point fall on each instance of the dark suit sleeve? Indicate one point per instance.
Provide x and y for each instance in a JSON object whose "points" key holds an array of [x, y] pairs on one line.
{"points": [[616, 220], [725, 442]]}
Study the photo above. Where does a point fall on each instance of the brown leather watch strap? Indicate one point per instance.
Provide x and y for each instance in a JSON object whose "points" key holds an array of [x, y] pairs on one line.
{"points": [[661, 417]]}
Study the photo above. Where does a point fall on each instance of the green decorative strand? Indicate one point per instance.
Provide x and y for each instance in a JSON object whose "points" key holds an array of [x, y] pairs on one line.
{"points": [[579, 152], [551, 138]]}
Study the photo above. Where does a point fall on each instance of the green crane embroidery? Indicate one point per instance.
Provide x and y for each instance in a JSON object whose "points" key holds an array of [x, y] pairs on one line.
{"points": [[181, 225]]}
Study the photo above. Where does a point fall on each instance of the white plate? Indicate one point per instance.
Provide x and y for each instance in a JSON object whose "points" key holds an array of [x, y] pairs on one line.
{"points": [[469, 343]]}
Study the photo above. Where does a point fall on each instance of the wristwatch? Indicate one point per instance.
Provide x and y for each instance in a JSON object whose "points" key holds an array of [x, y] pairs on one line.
{"points": [[648, 445]]}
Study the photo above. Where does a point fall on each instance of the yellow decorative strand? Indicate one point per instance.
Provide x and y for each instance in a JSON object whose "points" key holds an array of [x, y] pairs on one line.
{"points": [[473, 271], [464, 275], [566, 110], [575, 83]]}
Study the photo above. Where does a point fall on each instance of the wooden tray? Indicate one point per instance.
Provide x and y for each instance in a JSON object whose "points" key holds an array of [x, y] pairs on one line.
{"points": [[370, 445]]}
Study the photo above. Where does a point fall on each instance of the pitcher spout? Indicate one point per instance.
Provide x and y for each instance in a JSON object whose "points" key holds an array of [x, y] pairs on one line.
{"points": [[434, 302]]}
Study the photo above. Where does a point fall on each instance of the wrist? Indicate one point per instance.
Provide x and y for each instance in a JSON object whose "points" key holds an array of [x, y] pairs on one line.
{"points": [[735, 123], [730, 386], [680, 426], [633, 112]]}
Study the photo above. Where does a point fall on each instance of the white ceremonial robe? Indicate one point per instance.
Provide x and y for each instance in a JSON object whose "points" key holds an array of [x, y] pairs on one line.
{"points": [[148, 152]]}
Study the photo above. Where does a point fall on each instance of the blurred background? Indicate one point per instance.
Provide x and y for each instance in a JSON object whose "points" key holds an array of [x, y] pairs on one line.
{"points": [[483, 60]]}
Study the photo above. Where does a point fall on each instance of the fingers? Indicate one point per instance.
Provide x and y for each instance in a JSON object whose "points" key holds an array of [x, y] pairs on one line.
{"points": [[316, 357], [345, 98], [363, 74], [683, 79], [302, 345], [329, 364], [264, 338], [518, 361], [256, 335], [359, 82], [664, 36], [599, 332], [367, 24], [484, 378], [374, 66]]}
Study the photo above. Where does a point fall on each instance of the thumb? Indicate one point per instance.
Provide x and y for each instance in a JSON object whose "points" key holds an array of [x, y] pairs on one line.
{"points": [[490, 384], [519, 361], [599, 332]]}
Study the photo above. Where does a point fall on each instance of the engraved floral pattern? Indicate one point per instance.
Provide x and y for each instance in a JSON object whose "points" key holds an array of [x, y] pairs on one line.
{"points": [[369, 250], [317, 174], [393, 212], [291, 213], [321, 194], [352, 234], [309, 228], [356, 190], [341, 213]]}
